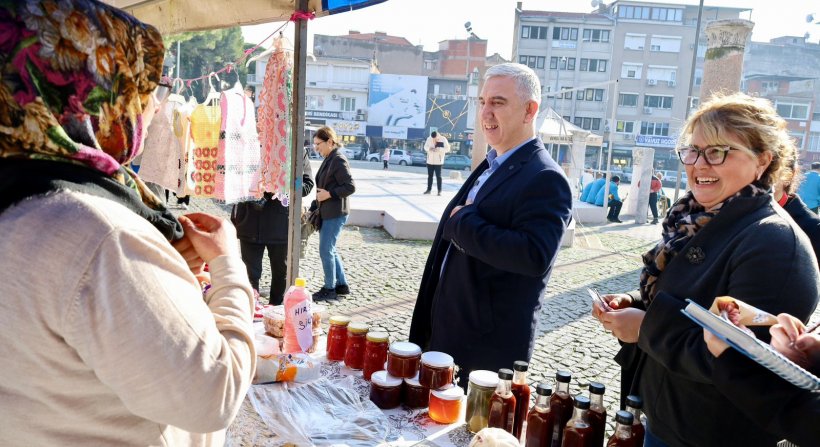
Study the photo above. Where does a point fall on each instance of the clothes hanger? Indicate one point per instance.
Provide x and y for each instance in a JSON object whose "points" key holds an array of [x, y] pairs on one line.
{"points": [[177, 87], [281, 43], [213, 95]]}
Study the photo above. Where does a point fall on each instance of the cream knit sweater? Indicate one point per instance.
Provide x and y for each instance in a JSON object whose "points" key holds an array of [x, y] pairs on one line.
{"points": [[104, 336]]}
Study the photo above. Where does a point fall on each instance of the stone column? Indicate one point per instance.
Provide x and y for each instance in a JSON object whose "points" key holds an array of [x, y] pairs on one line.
{"points": [[723, 67], [637, 203]]}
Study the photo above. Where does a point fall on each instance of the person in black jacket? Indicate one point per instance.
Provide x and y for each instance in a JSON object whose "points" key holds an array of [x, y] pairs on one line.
{"points": [[334, 184], [724, 237], [262, 224], [784, 194]]}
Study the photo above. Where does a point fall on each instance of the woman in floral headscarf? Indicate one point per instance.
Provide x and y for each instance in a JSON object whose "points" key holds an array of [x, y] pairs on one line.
{"points": [[107, 339]]}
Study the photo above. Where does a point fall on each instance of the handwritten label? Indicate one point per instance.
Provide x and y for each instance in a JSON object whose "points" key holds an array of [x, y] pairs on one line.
{"points": [[302, 318]]}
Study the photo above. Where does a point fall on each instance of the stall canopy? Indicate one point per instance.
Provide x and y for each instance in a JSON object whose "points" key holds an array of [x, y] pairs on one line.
{"points": [[174, 16], [557, 130]]}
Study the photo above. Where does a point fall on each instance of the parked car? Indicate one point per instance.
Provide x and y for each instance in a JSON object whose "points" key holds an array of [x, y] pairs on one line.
{"points": [[357, 151], [349, 152], [670, 177], [459, 162], [397, 157], [419, 158]]}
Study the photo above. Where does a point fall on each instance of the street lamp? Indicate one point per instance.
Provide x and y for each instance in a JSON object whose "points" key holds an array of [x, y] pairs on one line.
{"points": [[469, 28], [557, 75]]}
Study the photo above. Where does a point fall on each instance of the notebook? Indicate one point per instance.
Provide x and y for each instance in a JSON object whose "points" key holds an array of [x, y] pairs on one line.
{"points": [[750, 346]]}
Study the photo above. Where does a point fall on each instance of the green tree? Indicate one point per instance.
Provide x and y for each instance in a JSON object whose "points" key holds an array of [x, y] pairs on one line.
{"points": [[203, 52]]}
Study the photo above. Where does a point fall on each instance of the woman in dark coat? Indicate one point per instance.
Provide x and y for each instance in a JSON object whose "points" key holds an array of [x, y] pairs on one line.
{"points": [[334, 184], [724, 237]]}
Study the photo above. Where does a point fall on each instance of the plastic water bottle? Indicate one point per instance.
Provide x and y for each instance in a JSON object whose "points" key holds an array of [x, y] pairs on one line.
{"points": [[298, 318]]}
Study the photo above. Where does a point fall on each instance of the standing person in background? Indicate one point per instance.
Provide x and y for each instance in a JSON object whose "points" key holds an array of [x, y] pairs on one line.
{"points": [[810, 188], [262, 224], [498, 238], [436, 147], [386, 157], [784, 195], [334, 184], [654, 187], [108, 338]]}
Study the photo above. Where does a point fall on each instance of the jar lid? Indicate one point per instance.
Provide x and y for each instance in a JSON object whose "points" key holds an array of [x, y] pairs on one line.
{"points": [[505, 374], [381, 378], [437, 359], [624, 417], [543, 389], [405, 348], [520, 365], [377, 336], [596, 388], [634, 401], [484, 378], [563, 376], [450, 393], [414, 381], [582, 402], [357, 327], [340, 320]]}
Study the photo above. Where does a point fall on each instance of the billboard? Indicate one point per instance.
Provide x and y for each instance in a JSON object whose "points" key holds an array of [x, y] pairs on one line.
{"points": [[397, 100]]}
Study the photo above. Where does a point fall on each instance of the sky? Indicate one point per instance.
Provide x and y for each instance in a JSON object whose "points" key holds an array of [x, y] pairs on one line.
{"points": [[427, 22]]}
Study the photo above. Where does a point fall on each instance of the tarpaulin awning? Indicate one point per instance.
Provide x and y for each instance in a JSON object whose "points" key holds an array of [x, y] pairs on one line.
{"points": [[174, 16], [557, 130]]}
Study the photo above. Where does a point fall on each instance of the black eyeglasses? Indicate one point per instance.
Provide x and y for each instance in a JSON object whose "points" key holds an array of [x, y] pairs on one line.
{"points": [[714, 155]]}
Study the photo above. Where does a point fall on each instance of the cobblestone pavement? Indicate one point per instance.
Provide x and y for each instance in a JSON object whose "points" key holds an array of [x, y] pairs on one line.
{"points": [[384, 275]]}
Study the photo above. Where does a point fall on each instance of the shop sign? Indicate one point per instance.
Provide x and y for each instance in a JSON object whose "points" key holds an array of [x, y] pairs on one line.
{"points": [[341, 127], [655, 141], [323, 114], [399, 133]]}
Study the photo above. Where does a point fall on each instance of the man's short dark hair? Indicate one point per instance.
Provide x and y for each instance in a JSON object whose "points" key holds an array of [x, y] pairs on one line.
{"points": [[616, 179], [815, 165], [434, 134]]}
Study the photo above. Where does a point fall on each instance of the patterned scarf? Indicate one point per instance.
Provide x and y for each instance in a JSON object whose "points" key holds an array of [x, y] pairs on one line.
{"points": [[76, 78], [685, 219]]}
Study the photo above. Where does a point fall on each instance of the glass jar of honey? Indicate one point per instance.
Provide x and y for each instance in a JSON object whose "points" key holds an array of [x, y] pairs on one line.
{"points": [[436, 370], [354, 348], [385, 390], [375, 353], [416, 395], [445, 404], [403, 359], [337, 338], [480, 389]]}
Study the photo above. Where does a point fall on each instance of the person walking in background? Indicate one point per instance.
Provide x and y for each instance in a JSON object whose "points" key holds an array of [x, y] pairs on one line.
{"points": [[262, 224], [498, 238], [810, 188], [436, 147], [108, 337], [386, 158], [655, 186], [334, 184]]}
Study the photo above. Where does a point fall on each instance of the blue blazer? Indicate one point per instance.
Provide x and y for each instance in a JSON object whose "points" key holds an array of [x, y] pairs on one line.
{"points": [[483, 308], [597, 185]]}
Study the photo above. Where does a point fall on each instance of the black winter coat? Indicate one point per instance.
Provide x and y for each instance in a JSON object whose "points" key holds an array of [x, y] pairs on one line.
{"points": [[334, 176]]}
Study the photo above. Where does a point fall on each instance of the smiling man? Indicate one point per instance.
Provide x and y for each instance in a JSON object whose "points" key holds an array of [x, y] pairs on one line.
{"points": [[497, 239]]}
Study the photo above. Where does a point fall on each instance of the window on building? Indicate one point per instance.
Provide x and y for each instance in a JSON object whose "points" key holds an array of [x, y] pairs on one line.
{"points": [[587, 123], [698, 76], [667, 14], [657, 129], [792, 111], [567, 95], [798, 138], [566, 63], [634, 41], [814, 142], [632, 71], [591, 94], [347, 104], [628, 99], [429, 64], [559, 33], [660, 73], [634, 12], [665, 44], [770, 86], [593, 64], [533, 32], [532, 61], [625, 126], [314, 102], [658, 102], [596, 35]]}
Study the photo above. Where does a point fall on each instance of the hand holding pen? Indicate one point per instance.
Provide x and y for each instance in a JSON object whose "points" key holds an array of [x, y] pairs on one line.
{"points": [[797, 342]]}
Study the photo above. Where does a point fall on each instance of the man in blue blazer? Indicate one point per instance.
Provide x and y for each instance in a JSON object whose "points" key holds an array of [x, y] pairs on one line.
{"points": [[497, 239]]}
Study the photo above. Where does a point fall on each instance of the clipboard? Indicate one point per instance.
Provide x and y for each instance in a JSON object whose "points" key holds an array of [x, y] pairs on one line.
{"points": [[751, 347]]}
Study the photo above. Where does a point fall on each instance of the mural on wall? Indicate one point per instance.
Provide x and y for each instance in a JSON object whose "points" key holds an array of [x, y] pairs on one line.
{"points": [[447, 116]]}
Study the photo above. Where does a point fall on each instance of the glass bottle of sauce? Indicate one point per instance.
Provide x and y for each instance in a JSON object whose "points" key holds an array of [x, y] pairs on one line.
{"points": [[416, 395], [436, 370], [521, 391], [354, 348], [634, 404], [445, 404], [403, 359], [578, 432], [561, 404], [375, 353], [539, 421], [502, 403], [623, 430], [597, 412], [337, 338], [480, 389], [385, 390]]}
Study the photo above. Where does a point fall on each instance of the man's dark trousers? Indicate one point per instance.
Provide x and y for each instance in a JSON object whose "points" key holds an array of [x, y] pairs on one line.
{"points": [[430, 170]]}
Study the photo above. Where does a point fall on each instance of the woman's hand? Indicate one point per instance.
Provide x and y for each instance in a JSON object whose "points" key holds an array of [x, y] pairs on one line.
{"points": [[789, 337], [715, 345], [322, 194], [625, 324], [209, 237], [614, 301]]}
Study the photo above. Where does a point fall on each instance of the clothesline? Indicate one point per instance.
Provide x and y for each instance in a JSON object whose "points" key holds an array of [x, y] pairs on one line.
{"points": [[298, 15]]}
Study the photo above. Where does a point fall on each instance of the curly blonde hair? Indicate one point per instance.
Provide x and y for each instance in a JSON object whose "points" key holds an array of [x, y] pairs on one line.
{"points": [[752, 121]]}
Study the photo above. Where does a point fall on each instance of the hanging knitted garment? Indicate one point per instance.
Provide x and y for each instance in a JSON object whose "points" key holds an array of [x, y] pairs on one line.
{"points": [[206, 123], [274, 174], [162, 158], [238, 148]]}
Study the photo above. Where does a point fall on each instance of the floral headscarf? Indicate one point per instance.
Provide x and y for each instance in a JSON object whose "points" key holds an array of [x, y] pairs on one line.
{"points": [[76, 78]]}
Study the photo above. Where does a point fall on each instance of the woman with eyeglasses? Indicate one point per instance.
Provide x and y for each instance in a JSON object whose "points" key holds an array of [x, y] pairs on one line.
{"points": [[334, 184], [726, 236]]}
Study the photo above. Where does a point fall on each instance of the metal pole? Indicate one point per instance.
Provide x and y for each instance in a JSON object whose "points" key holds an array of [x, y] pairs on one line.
{"points": [[297, 150], [179, 63], [609, 148], [467, 69]]}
